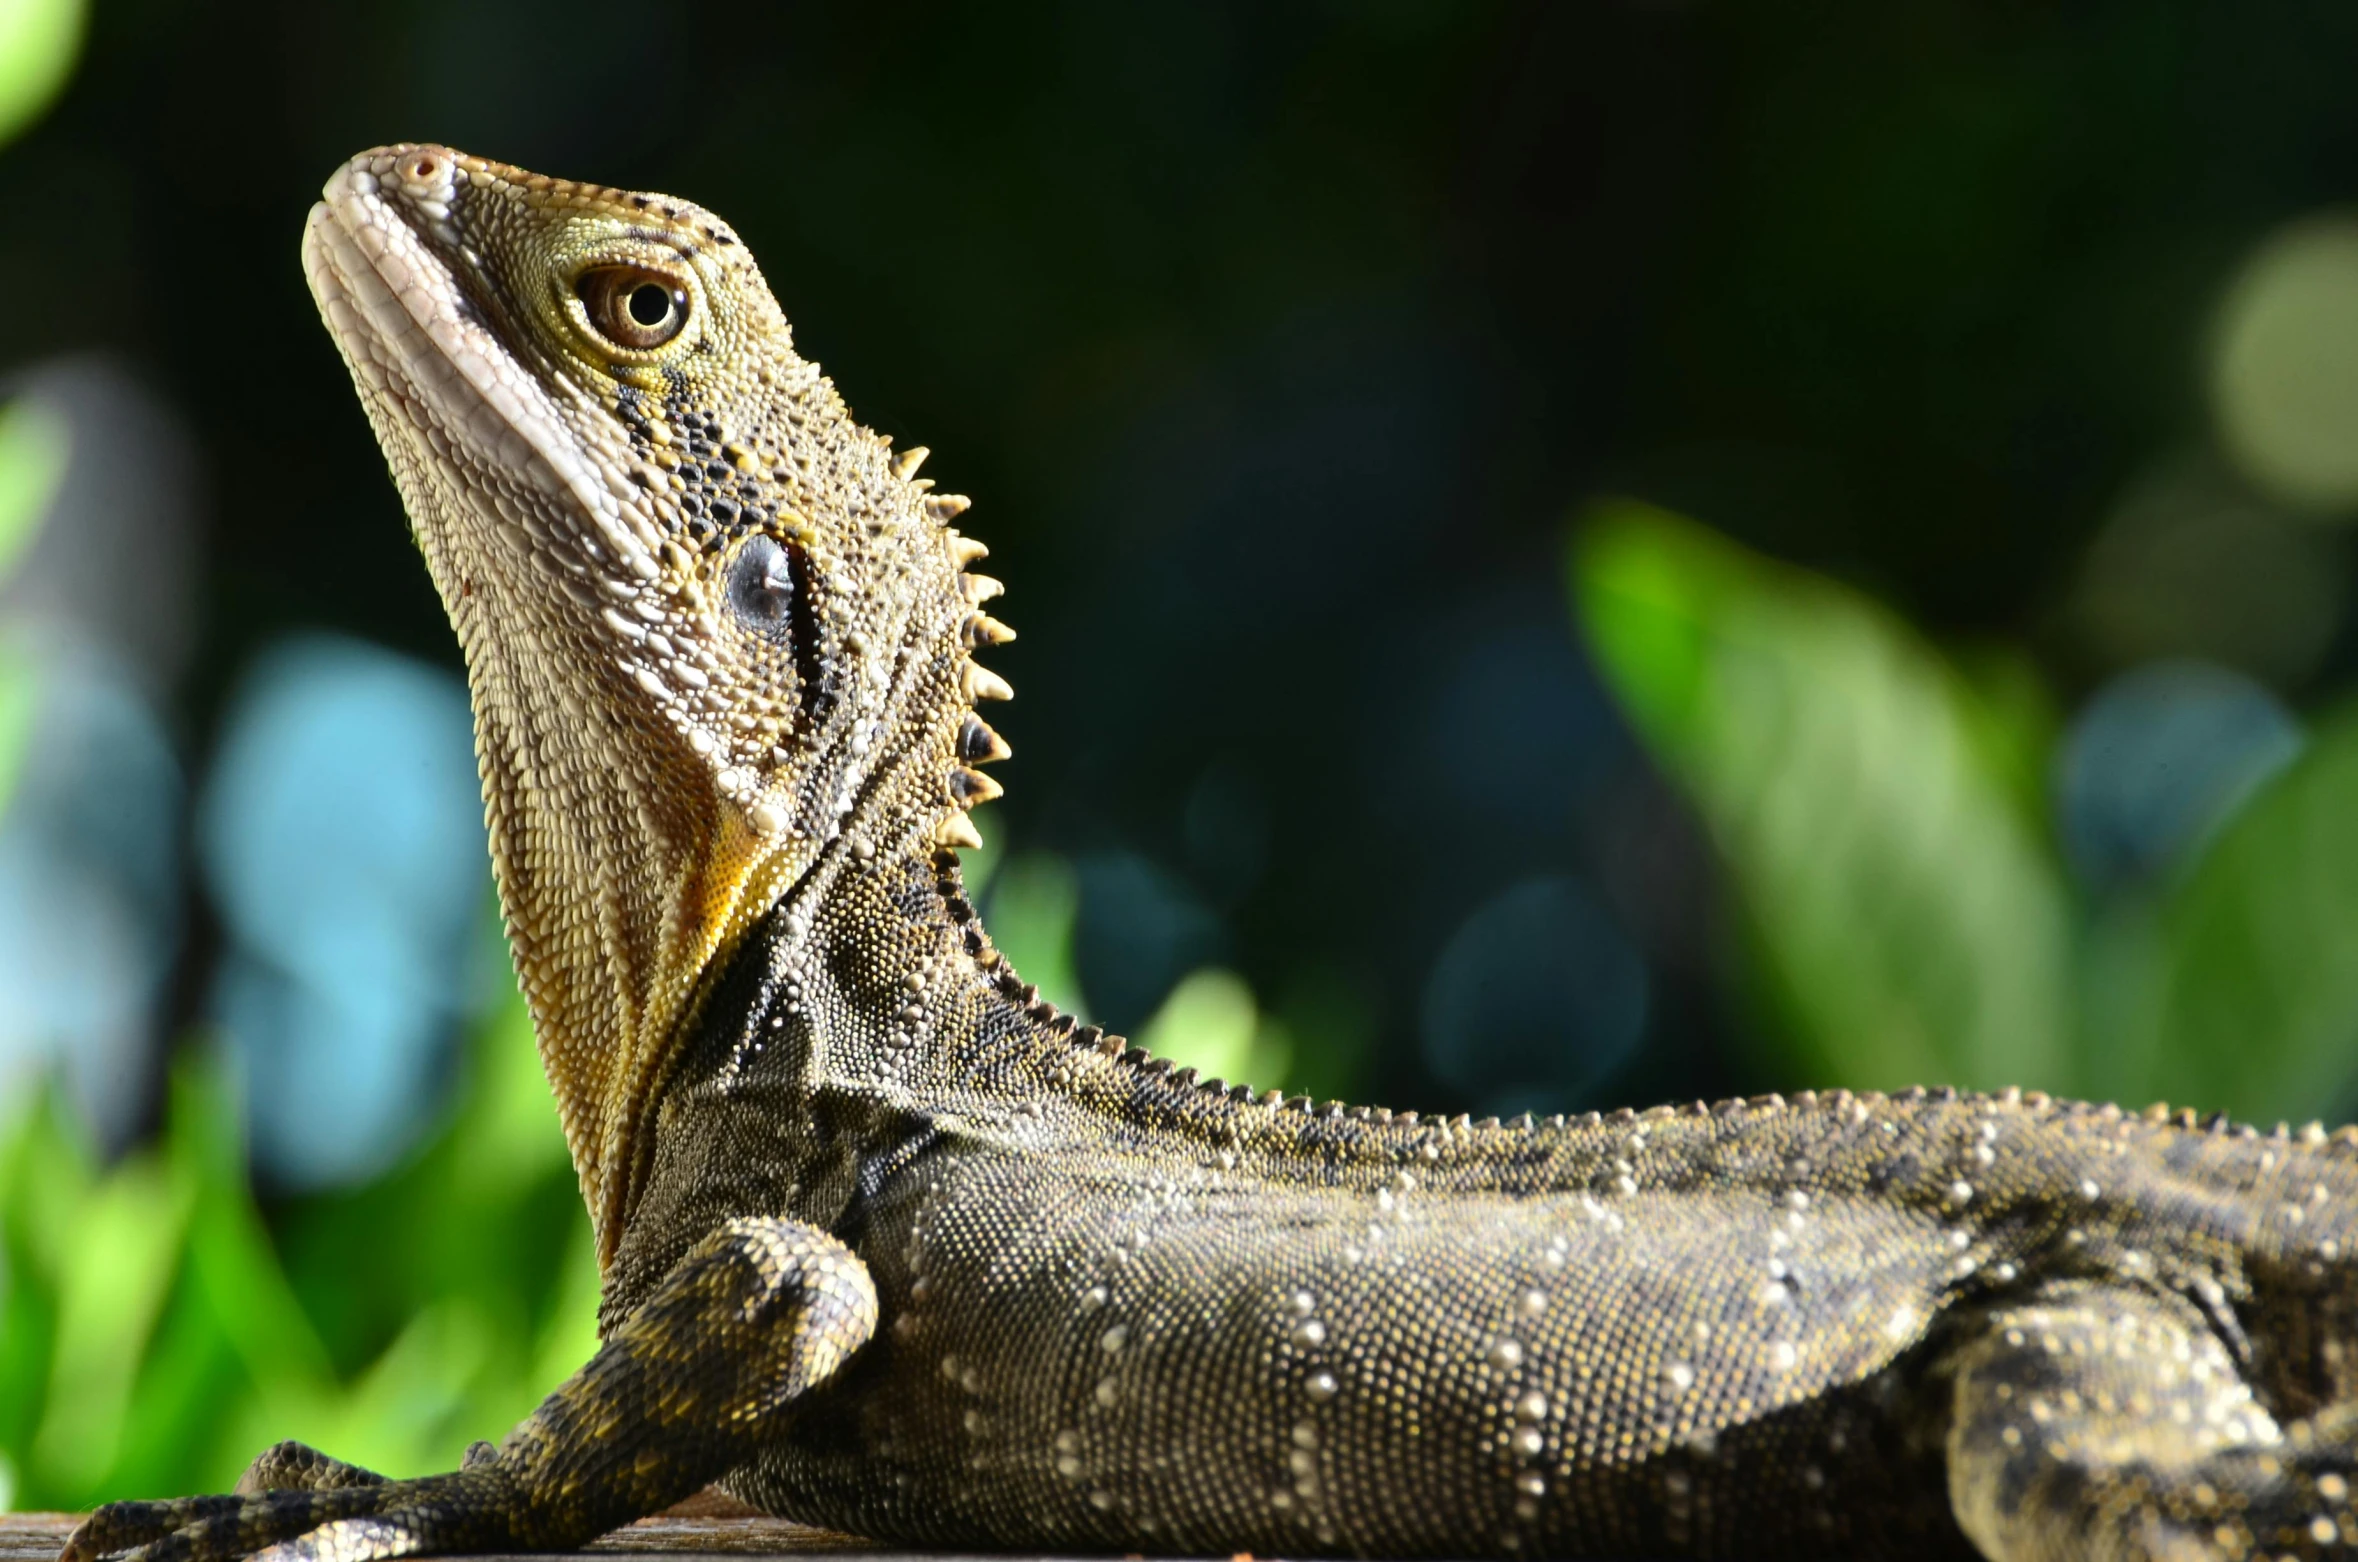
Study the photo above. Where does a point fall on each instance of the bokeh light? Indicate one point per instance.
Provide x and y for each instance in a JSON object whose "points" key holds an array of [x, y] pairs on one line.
{"points": [[1534, 999], [2284, 373], [341, 833], [2192, 563], [2157, 760], [98, 595], [89, 887]]}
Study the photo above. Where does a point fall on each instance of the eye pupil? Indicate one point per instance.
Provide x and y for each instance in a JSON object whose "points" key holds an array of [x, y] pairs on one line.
{"points": [[649, 304], [633, 306]]}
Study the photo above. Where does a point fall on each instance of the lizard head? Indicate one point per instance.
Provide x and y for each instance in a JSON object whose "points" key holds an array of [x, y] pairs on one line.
{"points": [[717, 635]]}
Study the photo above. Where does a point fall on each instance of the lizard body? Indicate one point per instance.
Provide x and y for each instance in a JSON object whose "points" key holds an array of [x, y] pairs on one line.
{"points": [[893, 1246]]}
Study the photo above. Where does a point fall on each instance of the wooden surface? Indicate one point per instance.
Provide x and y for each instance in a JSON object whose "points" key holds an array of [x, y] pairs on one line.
{"points": [[36, 1537]]}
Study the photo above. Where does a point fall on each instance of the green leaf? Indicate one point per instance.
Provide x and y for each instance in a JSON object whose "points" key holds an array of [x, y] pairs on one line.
{"points": [[46, 1174], [35, 446], [1903, 917], [128, 1247], [39, 40], [2257, 1007]]}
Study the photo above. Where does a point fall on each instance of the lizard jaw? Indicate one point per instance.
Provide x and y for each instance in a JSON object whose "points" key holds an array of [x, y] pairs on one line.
{"points": [[401, 314]]}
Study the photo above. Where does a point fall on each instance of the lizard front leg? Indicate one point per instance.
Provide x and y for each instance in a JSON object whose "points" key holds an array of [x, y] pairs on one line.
{"points": [[757, 1315], [2109, 1422]]}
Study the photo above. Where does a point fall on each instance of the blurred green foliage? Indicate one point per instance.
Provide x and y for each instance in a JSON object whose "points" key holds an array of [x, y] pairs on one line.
{"points": [[1900, 910], [154, 1337], [1212, 1024], [34, 445], [39, 40], [1210, 1021]]}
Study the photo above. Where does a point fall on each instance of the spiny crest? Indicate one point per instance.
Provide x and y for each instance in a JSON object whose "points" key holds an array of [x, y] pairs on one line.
{"points": [[975, 743]]}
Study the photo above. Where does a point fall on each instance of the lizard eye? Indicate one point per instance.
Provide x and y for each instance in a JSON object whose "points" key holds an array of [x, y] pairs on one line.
{"points": [[761, 586], [632, 306]]}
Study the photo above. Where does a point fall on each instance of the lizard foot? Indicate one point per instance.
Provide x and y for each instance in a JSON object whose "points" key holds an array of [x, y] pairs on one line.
{"points": [[757, 1314], [2102, 1422], [214, 1526], [288, 1467]]}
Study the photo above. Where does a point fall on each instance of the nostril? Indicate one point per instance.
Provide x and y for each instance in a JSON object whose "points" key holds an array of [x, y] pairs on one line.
{"points": [[422, 166]]}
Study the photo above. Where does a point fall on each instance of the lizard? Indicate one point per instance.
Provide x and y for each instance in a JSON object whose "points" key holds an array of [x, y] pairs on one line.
{"points": [[891, 1245]]}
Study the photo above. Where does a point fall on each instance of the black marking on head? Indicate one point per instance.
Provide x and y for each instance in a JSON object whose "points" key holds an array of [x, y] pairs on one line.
{"points": [[685, 249], [630, 408], [812, 669]]}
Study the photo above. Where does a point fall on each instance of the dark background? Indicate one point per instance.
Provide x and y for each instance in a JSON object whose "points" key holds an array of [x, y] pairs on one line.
{"points": [[1279, 344]]}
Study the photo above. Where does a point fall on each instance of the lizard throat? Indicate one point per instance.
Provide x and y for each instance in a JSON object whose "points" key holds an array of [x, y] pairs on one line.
{"points": [[623, 875]]}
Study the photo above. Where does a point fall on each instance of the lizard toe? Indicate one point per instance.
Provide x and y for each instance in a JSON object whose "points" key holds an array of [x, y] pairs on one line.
{"points": [[212, 1529], [119, 1526], [293, 1466]]}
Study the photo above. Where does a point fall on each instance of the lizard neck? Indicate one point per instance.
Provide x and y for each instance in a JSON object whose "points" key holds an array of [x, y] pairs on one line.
{"points": [[860, 1013], [862, 1019]]}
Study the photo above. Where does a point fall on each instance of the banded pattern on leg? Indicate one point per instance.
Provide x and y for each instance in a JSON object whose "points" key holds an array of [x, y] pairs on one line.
{"points": [[755, 1316], [2107, 1422]]}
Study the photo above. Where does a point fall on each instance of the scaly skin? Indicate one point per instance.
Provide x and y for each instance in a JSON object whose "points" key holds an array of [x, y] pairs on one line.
{"points": [[890, 1245]]}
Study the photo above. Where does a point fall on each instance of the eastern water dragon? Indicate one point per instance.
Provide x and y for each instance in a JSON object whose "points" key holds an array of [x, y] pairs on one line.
{"points": [[891, 1245]]}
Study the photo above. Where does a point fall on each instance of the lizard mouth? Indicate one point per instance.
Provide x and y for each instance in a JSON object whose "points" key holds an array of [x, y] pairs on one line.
{"points": [[379, 251]]}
